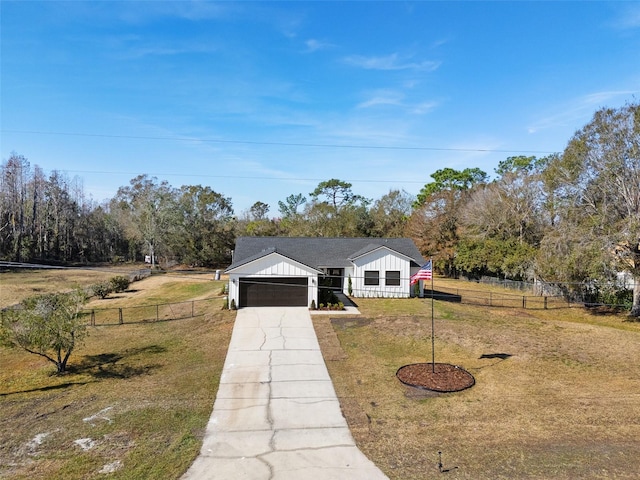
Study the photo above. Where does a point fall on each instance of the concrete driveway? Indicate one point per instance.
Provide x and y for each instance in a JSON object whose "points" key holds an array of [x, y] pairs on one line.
{"points": [[276, 415]]}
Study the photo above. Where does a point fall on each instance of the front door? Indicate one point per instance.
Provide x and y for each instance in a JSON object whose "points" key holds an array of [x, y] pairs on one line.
{"points": [[334, 278]]}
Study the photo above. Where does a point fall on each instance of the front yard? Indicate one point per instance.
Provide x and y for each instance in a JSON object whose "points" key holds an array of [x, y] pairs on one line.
{"points": [[556, 392]]}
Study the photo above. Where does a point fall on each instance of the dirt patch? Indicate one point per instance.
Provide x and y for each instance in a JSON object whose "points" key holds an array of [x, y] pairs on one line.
{"points": [[438, 377], [349, 322], [331, 350]]}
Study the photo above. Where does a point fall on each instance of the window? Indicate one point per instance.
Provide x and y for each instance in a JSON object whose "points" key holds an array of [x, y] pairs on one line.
{"points": [[392, 277], [371, 277]]}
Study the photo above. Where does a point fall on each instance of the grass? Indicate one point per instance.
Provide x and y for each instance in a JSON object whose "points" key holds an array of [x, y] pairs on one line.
{"points": [[17, 285], [136, 401], [158, 297], [556, 391]]}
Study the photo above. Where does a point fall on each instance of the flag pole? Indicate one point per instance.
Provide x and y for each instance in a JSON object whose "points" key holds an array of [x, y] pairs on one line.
{"points": [[433, 342]]}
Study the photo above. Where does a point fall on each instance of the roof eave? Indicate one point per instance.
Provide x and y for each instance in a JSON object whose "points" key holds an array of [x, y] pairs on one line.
{"points": [[233, 268]]}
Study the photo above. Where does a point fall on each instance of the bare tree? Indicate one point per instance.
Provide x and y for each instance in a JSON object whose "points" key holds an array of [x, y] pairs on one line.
{"points": [[597, 182], [13, 206]]}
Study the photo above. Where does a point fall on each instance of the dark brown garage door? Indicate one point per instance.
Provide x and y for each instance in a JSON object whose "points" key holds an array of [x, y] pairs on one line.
{"points": [[273, 292]]}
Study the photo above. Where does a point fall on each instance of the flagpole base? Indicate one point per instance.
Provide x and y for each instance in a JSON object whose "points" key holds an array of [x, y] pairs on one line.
{"points": [[436, 377]]}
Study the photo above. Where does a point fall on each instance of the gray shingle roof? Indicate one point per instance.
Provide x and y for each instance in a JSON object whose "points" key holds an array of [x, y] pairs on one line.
{"points": [[318, 252]]}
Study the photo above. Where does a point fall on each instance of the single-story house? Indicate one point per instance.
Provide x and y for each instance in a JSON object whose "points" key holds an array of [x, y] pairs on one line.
{"points": [[287, 271]]}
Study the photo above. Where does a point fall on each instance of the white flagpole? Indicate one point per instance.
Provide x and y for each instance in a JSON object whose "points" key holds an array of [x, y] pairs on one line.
{"points": [[433, 342]]}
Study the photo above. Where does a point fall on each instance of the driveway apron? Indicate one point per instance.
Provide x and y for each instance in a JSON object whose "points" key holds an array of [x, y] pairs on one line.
{"points": [[276, 415]]}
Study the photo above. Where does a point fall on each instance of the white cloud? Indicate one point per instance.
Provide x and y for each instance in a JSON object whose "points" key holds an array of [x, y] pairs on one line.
{"points": [[133, 47], [390, 62], [440, 42], [397, 99], [579, 110], [159, 51], [383, 98], [195, 11], [598, 99], [314, 45], [424, 107], [365, 129], [141, 13], [629, 17]]}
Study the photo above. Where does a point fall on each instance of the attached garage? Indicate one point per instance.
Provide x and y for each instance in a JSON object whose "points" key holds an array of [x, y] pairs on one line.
{"points": [[273, 292], [271, 279], [288, 271]]}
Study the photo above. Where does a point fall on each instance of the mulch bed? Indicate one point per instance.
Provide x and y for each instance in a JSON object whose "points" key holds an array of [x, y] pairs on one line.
{"points": [[441, 377]]}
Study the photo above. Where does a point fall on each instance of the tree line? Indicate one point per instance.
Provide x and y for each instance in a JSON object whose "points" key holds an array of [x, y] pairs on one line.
{"points": [[571, 218]]}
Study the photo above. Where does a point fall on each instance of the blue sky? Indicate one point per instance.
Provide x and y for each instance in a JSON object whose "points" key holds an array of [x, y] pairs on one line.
{"points": [[263, 100]]}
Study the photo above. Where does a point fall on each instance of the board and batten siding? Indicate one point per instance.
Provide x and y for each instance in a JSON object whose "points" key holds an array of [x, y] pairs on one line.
{"points": [[381, 260], [272, 265]]}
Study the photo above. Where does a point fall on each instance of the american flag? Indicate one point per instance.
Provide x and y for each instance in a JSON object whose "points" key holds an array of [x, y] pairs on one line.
{"points": [[423, 274]]}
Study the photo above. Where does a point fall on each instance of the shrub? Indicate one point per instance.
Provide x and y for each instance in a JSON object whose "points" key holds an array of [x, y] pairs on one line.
{"points": [[225, 304], [349, 286], [616, 297], [313, 305], [50, 326], [233, 304], [102, 289], [326, 296], [119, 283]]}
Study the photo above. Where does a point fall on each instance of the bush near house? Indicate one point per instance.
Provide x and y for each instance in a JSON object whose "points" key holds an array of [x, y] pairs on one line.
{"points": [[325, 295]]}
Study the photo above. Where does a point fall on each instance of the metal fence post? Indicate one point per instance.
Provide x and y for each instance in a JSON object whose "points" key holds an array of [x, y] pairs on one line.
{"points": [[524, 302], [545, 303], [192, 308], [121, 321], [93, 318], [157, 312]]}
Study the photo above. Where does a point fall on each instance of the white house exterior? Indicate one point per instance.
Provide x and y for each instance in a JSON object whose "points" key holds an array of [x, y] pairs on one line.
{"points": [[393, 277], [281, 271]]}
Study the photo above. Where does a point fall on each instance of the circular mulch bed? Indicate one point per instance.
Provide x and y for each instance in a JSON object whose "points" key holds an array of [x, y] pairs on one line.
{"points": [[441, 377]]}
